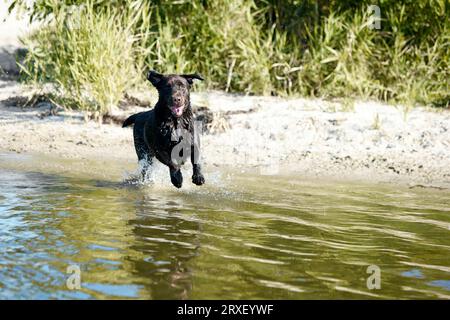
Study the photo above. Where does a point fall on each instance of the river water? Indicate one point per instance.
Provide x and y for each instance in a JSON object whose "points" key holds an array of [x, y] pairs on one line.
{"points": [[241, 236]]}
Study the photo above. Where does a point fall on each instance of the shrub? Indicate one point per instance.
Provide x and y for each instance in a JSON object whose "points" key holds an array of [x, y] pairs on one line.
{"points": [[88, 55], [295, 47]]}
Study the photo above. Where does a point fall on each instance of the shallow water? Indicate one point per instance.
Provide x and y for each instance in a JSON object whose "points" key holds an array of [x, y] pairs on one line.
{"points": [[242, 236]]}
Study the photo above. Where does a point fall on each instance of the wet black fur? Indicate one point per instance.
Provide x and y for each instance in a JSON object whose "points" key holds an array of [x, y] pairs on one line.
{"points": [[155, 131]]}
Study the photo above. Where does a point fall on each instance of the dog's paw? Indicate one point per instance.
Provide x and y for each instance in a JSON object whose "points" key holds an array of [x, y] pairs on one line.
{"points": [[198, 179], [177, 179]]}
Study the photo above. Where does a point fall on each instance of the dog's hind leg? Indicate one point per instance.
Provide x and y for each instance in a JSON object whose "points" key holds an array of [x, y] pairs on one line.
{"points": [[145, 156], [145, 162]]}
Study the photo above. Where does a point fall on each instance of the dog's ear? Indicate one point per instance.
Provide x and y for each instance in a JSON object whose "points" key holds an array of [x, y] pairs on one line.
{"points": [[154, 77], [190, 77]]}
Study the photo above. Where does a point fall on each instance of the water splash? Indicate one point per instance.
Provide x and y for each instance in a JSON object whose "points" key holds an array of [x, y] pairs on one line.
{"points": [[156, 175], [218, 184]]}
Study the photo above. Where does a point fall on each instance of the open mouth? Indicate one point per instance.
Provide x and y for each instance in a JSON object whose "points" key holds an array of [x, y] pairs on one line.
{"points": [[177, 110]]}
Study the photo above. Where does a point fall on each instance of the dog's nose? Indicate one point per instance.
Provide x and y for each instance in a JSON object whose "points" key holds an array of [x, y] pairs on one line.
{"points": [[177, 99]]}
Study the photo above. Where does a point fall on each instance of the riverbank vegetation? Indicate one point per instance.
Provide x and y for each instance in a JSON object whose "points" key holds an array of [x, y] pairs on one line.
{"points": [[95, 51]]}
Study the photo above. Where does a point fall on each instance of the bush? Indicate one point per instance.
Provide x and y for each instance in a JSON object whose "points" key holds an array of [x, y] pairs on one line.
{"points": [[89, 56], [293, 47]]}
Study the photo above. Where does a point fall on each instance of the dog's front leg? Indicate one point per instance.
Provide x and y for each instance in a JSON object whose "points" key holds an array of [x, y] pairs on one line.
{"points": [[175, 176], [197, 176]]}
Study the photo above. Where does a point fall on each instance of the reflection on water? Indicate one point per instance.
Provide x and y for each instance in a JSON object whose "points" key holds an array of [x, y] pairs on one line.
{"points": [[243, 237]]}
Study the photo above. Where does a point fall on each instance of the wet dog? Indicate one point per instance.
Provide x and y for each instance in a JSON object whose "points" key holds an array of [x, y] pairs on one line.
{"points": [[167, 131]]}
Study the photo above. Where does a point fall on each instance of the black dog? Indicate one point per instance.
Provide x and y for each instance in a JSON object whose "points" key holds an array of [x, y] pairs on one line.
{"points": [[167, 131]]}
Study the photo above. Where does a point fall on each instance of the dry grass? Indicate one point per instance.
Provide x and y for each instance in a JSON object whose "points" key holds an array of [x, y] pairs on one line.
{"points": [[308, 48]]}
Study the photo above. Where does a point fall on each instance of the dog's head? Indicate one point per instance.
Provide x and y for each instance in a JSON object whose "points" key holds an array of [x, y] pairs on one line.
{"points": [[173, 90]]}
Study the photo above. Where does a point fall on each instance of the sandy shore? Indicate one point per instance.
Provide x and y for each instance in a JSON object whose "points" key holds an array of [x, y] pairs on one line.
{"points": [[372, 142], [368, 141]]}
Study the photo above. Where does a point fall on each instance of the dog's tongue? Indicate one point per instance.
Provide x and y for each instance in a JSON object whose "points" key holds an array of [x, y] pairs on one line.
{"points": [[178, 111]]}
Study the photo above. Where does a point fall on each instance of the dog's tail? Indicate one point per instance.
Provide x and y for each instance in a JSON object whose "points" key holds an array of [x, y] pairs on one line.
{"points": [[129, 121]]}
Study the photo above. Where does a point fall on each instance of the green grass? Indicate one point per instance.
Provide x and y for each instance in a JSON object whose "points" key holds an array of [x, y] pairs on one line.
{"points": [[89, 57], [306, 48]]}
